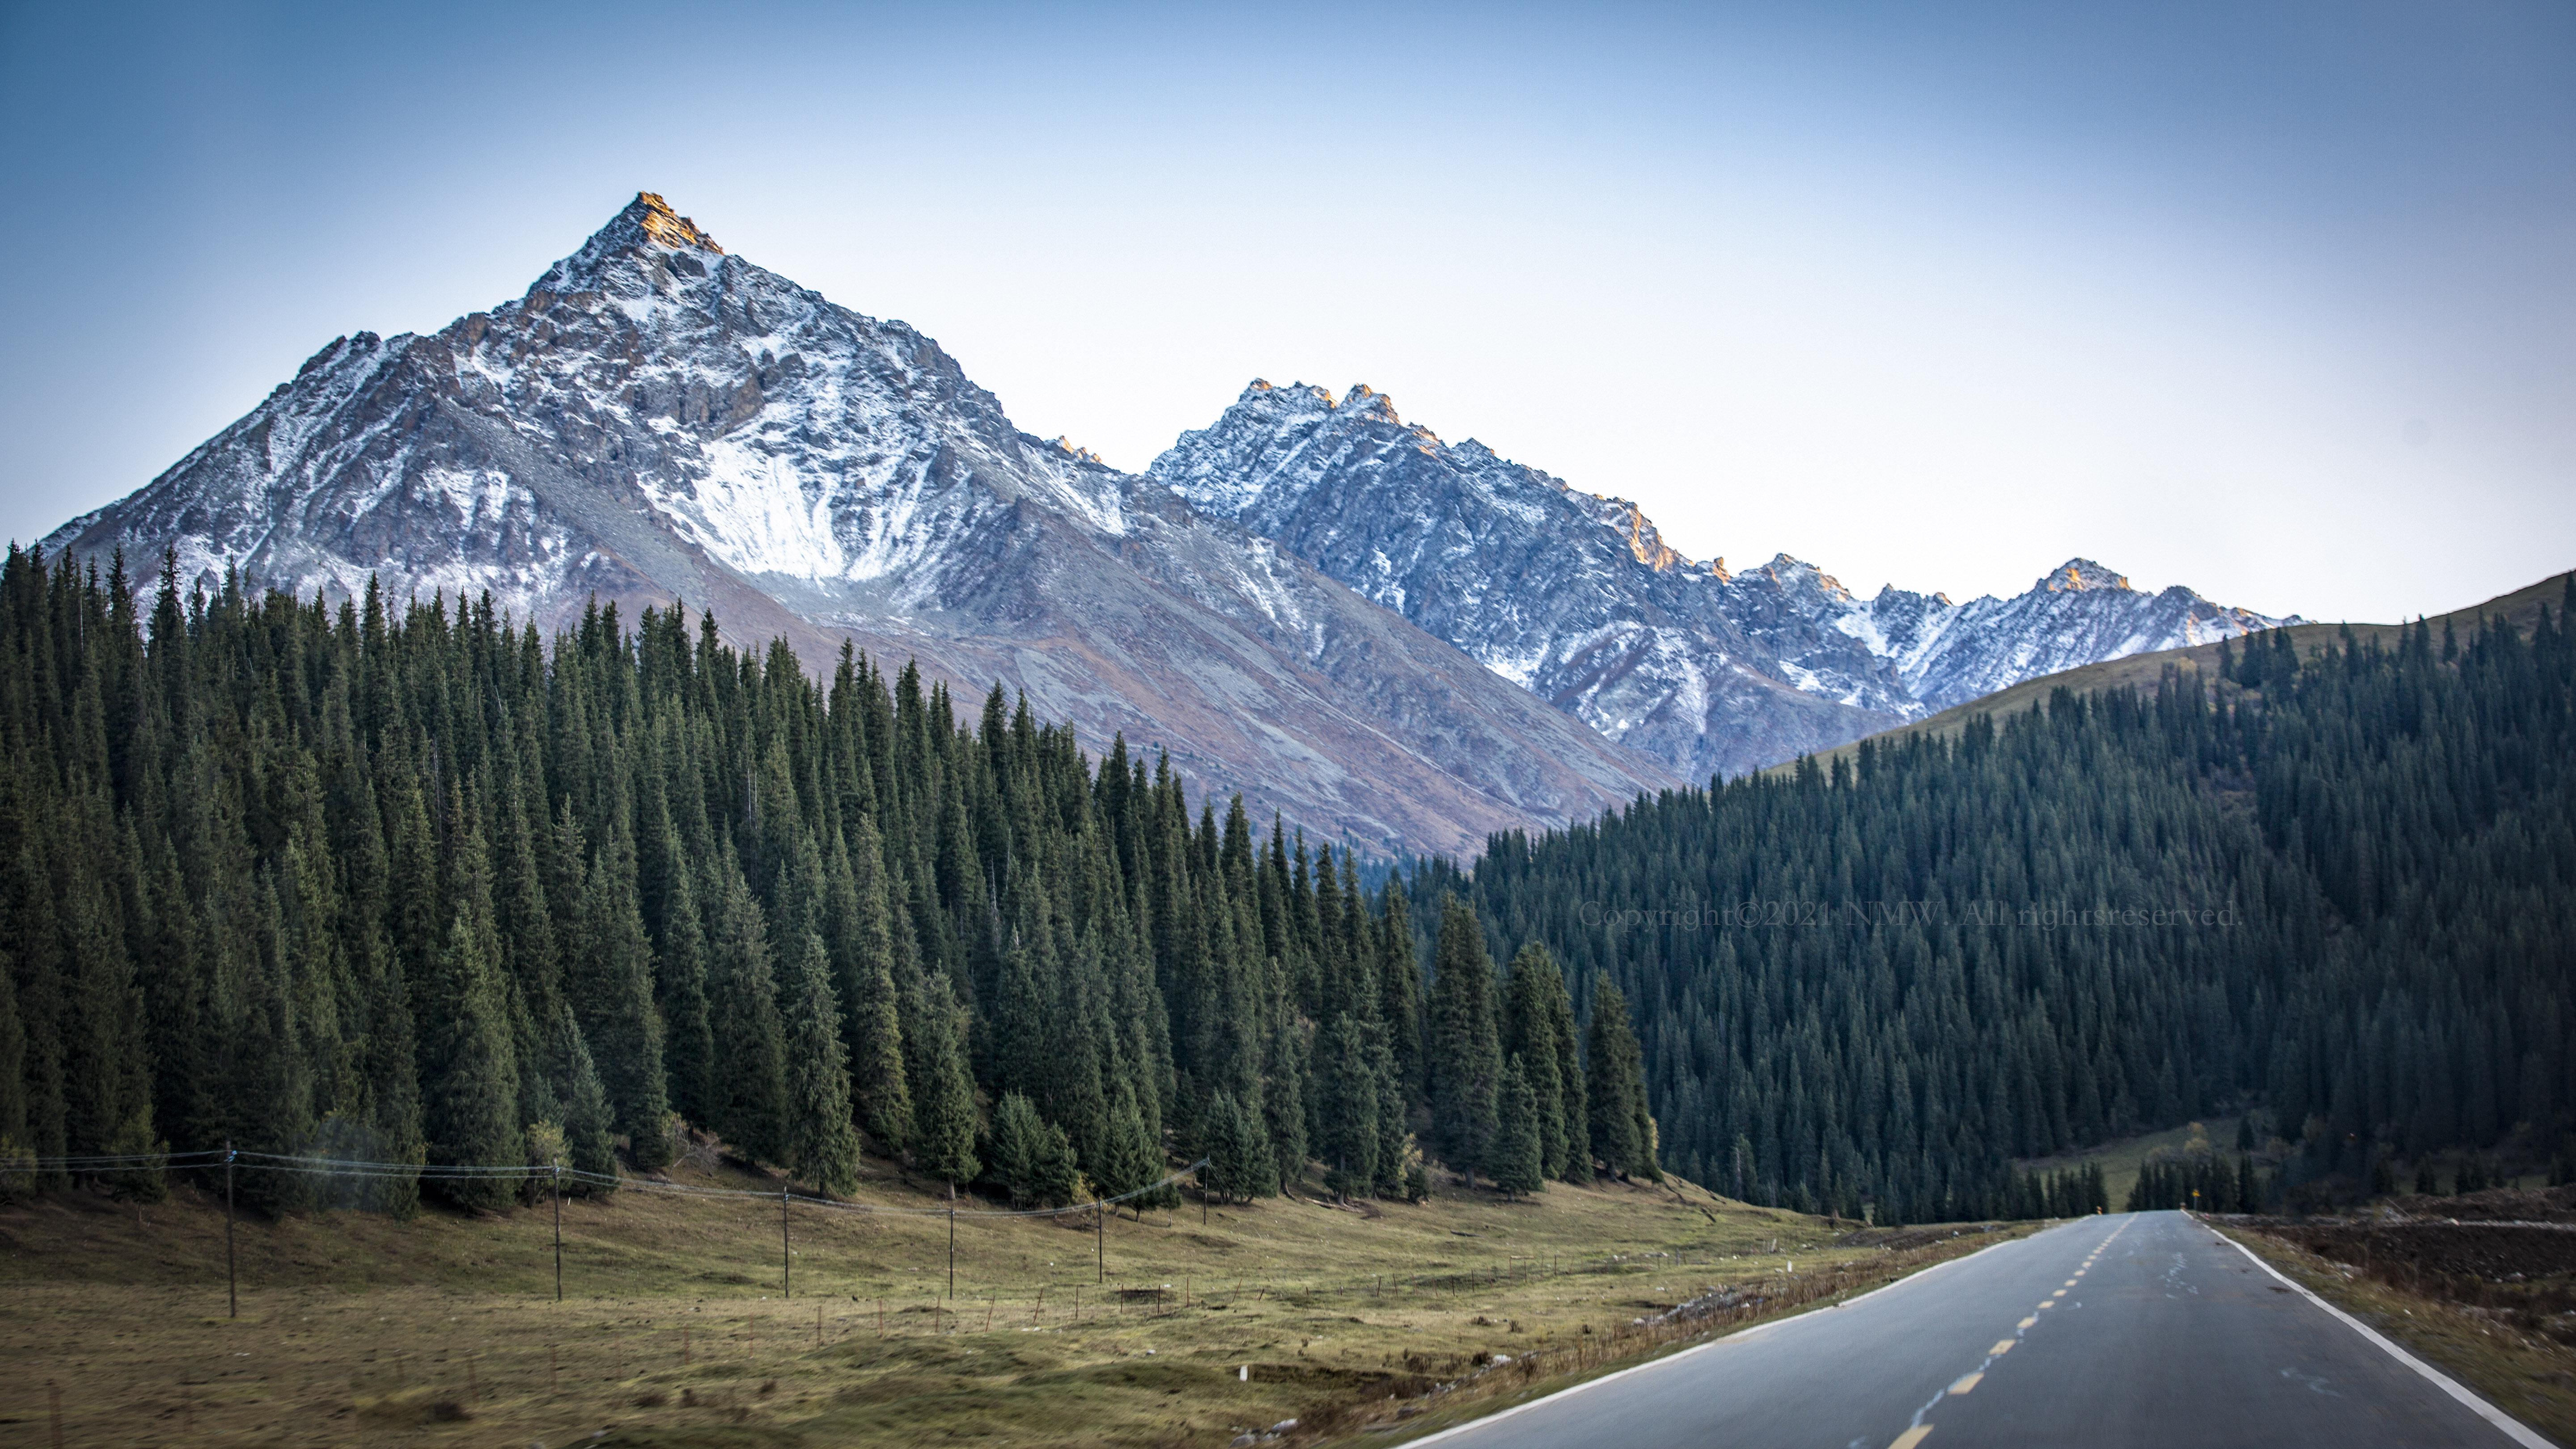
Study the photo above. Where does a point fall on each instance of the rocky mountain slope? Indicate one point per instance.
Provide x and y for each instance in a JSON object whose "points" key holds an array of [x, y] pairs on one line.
{"points": [[656, 420], [1577, 598]]}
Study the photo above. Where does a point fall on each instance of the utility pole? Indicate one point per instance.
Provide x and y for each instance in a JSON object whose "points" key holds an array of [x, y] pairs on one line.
{"points": [[786, 1267], [952, 1238], [232, 1273], [558, 1232], [1100, 1240]]}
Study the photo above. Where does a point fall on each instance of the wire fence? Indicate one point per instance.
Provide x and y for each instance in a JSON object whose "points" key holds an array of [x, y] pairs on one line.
{"points": [[538, 1173], [643, 1351]]}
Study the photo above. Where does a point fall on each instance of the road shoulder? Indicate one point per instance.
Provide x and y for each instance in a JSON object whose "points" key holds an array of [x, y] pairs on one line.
{"points": [[2528, 1378]]}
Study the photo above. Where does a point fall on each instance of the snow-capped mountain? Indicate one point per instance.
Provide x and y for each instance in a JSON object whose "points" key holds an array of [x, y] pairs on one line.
{"points": [[1578, 598], [656, 420]]}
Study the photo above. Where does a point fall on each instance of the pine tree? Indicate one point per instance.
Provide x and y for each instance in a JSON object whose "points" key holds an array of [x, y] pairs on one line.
{"points": [[1538, 1026], [1012, 1146], [750, 1079], [680, 992], [1239, 1166], [469, 1070], [943, 1099], [1284, 1102], [1055, 1180], [611, 981], [1518, 1167], [1135, 1160], [822, 1143], [1465, 1055], [1346, 1083], [870, 1000], [582, 1103], [1615, 1086]]}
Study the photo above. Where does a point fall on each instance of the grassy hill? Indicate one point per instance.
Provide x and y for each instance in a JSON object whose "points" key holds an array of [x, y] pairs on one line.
{"points": [[2143, 670], [444, 1329]]}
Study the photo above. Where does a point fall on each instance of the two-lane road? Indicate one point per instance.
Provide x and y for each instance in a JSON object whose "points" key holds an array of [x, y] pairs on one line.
{"points": [[2144, 1329]]}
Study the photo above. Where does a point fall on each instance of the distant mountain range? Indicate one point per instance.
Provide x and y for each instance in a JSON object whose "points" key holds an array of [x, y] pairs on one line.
{"points": [[1395, 642], [1578, 598]]}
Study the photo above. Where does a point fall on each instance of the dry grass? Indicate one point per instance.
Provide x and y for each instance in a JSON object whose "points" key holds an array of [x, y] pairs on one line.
{"points": [[2120, 1159], [2522, 1372], [443, 1330]]}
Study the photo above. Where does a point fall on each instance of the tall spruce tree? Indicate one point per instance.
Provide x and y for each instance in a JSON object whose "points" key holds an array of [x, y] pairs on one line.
{"points": [[1346, 1083], [611, 984], [582, 1103], [750, 1106], [1518, 1166], [822, 1143], [1465, 1054], [1623, 1133], [869, 998], [1538, 1027], [943, 1099]]}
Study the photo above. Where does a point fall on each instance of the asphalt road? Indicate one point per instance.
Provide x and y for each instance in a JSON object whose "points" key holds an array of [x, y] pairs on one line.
{"points": [[2144, 1329]]}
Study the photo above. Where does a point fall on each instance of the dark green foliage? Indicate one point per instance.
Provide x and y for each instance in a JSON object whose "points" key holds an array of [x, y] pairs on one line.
{"points": [[1623, 1132], [943, 1092], [1240, 1166], [580, 1100], [1347, 1082], [822, 1142], [2333, 883], [2203, 1182], [1538, 1027], [1284, 1104], [318, 878], [1031, 1158], [865, 967], [609, 980], [470, 1099], [1464, 1052], [1517, 1165], [750, 1106]]}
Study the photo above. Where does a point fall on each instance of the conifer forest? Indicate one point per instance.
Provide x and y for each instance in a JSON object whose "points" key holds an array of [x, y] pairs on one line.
{"points": [[413, 884], [396, 885], [2332, 887]]}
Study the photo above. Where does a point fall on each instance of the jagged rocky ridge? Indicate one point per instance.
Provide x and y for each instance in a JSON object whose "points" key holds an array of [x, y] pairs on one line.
{"points": [[656, 420], [1577, 597]]}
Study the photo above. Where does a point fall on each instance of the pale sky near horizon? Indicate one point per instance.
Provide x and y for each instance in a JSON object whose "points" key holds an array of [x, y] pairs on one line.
{"points": [[2277, 301]]}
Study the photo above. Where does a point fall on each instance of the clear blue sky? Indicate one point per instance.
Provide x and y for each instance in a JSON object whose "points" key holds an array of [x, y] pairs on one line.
{"points": [[2277, 301]]}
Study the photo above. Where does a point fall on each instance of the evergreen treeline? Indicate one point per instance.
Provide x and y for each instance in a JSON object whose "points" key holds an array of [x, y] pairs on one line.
{"points": [[2337, 884], [383, 884], [2202, 1183]]}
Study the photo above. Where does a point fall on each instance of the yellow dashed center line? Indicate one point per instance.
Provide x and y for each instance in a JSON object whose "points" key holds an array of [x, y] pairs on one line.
{"points": [[1920, 1432]]}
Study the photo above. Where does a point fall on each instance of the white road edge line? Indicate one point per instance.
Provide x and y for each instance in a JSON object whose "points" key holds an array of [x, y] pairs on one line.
{"points": [[1739, 1336], [2513, 1428]]}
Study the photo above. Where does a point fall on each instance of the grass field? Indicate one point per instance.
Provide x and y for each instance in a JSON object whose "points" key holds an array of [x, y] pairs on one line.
{"points": [[444, 1330], [2121, 1159]]}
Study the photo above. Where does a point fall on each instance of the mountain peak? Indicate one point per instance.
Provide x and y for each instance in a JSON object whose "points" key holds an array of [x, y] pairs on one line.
{"points": [[651, 215], [2079, 574], [645, 228]]}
